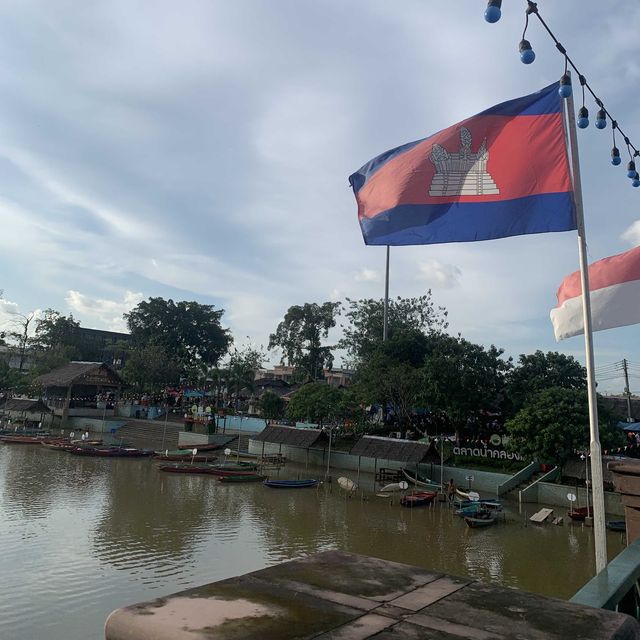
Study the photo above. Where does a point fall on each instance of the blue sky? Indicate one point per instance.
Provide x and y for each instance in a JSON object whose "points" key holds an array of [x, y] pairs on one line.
{"points": [[201, 149]]}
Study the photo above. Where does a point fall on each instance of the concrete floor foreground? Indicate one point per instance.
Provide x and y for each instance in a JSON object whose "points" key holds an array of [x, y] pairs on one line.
{"points": [[344, 596]]}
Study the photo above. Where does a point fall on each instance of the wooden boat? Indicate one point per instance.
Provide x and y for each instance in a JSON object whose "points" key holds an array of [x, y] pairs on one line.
{"points": [[212, 446], [616, 525], [236, 466], [418, 499], [12, 439], [249, 477], [347, 484], [580, 513], [179, 455], [395, 486], [185, 468], [481, 519], [216, 471], [110, 452], [420, 481], [290, 484]]}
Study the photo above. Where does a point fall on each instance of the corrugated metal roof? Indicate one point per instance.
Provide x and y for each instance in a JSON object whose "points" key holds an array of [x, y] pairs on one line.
{"points": [[304, 438], [73, 372], [391, 449], [25, 404]]}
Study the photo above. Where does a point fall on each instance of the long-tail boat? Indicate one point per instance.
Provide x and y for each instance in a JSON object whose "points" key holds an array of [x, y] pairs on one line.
{"points": [[418, 499], [290, 484], [249, 477], [111, 452]]}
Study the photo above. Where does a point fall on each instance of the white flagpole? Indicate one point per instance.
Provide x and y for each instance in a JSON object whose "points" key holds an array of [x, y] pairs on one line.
{"points": [[385, 321], [597, 483]]}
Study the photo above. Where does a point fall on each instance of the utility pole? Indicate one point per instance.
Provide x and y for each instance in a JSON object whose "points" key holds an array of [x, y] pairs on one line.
{"points": [[627, 391]]}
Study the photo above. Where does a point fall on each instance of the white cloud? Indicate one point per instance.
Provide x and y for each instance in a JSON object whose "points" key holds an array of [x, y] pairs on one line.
{"points": [[437, 274], [368, 275], [107, 313], [632, 234]]}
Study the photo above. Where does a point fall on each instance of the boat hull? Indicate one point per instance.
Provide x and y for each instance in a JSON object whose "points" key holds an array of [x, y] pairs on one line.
{"points": [[420, 499], [289, 484]]}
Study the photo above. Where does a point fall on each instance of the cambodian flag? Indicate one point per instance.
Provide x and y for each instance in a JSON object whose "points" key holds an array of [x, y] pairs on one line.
{"points": [[503, 172], [614, 286]]}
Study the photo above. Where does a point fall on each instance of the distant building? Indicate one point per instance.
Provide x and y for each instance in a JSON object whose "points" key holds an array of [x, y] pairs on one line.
{"points": [[11, 356], [97, 345], [334, 377]]}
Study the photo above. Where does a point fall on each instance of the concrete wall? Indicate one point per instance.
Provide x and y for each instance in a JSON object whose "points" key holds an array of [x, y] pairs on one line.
{"points": [[93, 425], [484, 481], [556, 494]]}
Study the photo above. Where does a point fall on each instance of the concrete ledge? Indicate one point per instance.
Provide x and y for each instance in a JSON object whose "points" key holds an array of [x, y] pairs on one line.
{"points": [[349, 597]]}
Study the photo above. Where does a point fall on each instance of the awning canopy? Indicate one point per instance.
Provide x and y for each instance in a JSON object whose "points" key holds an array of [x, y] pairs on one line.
{"points": [[629, 426], [409, 451], [291, 436]]}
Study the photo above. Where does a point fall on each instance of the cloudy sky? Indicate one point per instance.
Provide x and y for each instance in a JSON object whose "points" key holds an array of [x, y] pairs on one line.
{"points": [[201, 149]]}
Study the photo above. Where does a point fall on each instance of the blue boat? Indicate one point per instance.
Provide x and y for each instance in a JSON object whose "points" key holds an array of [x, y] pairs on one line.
{"points": [[289, 484]]}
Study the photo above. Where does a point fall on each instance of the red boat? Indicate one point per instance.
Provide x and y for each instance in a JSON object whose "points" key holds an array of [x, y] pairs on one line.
{"points": [[183, 457], [111, 452], [22, 439], [201, 447], [580, 513], [418, 498]]}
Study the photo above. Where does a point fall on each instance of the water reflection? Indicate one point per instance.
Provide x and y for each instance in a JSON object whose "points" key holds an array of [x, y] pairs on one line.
{"points": [[103, 533]]}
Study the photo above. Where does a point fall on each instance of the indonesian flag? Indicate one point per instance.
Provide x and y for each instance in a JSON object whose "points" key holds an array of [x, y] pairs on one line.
{"points": [[614, 284]]}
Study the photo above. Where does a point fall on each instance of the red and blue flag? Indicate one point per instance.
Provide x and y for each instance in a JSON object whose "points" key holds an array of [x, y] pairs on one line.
{"points": [[503, 172]]}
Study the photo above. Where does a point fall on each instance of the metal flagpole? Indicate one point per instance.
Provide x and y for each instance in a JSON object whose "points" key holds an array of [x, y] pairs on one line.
{"points": [[597, 485], [385, 325]]}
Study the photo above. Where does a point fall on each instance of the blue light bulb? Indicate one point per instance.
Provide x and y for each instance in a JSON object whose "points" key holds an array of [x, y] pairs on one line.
{"points": [[601, 119], [565, 86], [631, 169], [492, 13], [636, 180], [615, 156], [527, 55], [583, 118]]}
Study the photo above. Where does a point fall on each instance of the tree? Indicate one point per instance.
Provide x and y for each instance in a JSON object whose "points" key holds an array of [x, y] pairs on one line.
{"points": [[55, 330], [149, 367], [462, 378], [315, 402], [241, 370], [365, 320], [300, 336], [554, 423], [190, 333], [20, 335], [272, 406], [539, 371]]}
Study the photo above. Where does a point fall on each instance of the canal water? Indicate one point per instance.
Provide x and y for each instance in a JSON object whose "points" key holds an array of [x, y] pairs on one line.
{"points": [[80, 537]]}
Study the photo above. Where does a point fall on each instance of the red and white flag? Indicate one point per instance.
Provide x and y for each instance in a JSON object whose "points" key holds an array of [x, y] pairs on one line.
{"points": [[614, 284]]}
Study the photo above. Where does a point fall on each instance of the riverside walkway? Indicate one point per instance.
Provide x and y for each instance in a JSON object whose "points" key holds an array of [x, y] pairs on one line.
{"points": [[344, 596]]}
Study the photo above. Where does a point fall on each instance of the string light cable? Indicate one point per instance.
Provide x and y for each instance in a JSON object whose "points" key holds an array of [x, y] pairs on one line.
{"points": [[493, 13]]}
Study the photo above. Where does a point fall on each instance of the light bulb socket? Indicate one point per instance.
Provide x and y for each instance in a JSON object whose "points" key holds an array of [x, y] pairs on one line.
{"points": [[631, 167], [615, 152], [583, 112], [566, 79], [524, 45]]}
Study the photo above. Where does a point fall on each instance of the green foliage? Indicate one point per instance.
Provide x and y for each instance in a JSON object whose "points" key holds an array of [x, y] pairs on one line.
{"points": [[554, 423], [241, 368], [47, 360], [462, 378], [149, 367], [272, 406], [365, 318], [300, 336], [315, 402], [190, 333], [53, 330], [539, 371]]}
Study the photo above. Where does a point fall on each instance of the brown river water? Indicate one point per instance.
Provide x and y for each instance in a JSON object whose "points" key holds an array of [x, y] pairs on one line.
{"points": [[83, 536]]}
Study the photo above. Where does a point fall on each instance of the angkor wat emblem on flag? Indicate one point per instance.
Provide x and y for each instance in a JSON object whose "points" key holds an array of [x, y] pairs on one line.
{"points": [[463, 173]]}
